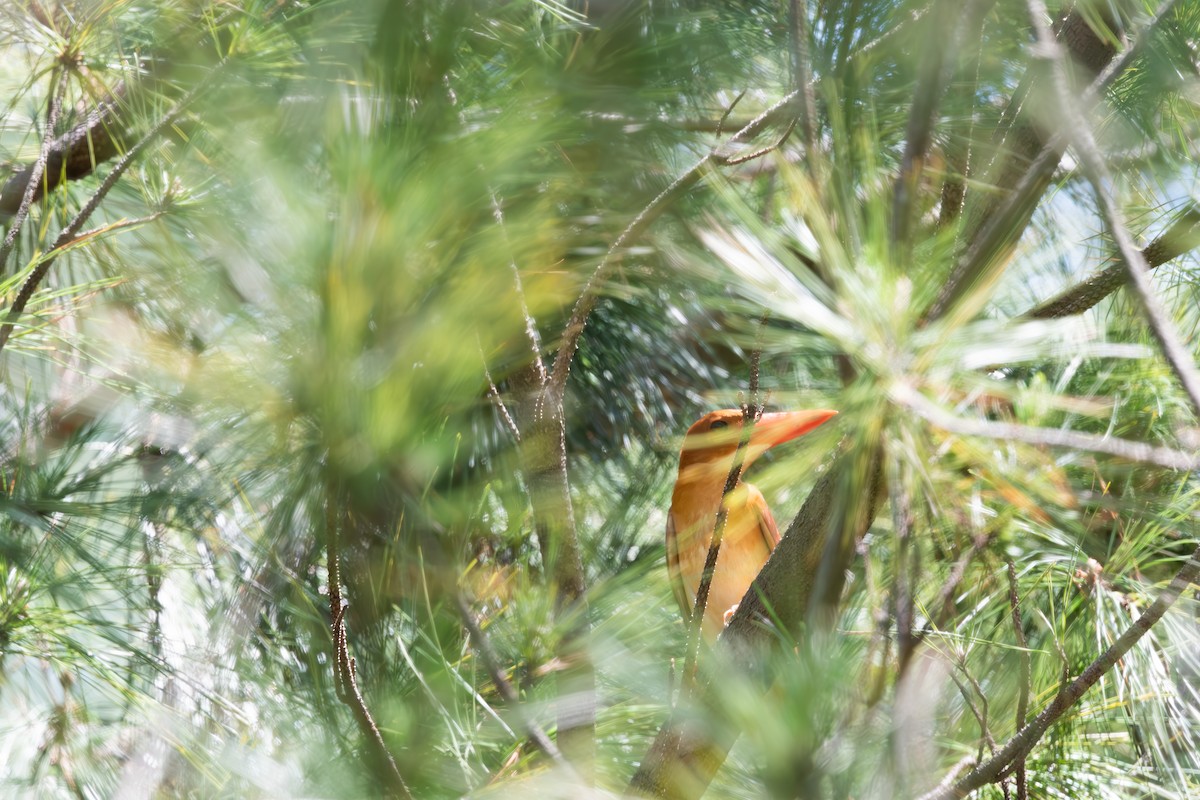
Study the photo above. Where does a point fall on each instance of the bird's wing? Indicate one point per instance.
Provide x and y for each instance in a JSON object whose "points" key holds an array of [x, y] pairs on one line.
{"points": [[766, 523], [674, 571]]}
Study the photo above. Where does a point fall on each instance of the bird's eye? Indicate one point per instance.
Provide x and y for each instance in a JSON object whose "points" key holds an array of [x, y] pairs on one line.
{"points": [[718, 424]]}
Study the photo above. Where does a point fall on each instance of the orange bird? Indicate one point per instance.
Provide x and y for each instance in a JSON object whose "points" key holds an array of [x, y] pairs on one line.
{"points": [[750, 532]]}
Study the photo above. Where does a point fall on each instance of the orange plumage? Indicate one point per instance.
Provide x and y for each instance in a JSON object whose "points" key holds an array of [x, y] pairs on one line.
{"points": [[750, 531]]}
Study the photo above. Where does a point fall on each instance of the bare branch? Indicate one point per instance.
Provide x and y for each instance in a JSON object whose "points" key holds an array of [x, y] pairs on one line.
{"points": [[980, 712], [736, 160], [497, 400], [725, 116], [71, 156], [1096, 171]]}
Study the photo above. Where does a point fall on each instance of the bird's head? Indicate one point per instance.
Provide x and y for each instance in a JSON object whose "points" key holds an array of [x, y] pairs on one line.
{"points": [[711, 442]]}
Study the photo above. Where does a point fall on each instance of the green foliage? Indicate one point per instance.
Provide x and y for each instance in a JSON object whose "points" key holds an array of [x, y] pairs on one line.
{"points": [[300, 339]]}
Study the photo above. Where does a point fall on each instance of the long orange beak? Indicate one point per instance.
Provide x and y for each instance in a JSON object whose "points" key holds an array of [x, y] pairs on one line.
{"points": [[783, 426], [707, 453]]}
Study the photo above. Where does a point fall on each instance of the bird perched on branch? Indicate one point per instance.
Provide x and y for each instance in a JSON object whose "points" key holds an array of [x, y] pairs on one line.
{"points": [[750, 533]]}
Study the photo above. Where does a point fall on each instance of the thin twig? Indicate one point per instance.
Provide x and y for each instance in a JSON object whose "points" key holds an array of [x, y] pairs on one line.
{"points": [[1023, 678], [113, 227], [979, 712], [902, 594], [531, 331], [733, 161], [345, 669], [58, 87], [1138, 452], [878, 649], [492, 664], [590, 293], [67, 234], [725, 116], [498, 401], [751, 412], [955, 579]]}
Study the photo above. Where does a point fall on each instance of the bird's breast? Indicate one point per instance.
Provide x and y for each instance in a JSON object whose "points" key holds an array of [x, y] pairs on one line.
{"points": [[744, 547]]}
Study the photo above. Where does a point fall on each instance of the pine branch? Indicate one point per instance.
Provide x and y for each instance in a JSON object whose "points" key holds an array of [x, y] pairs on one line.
{"points": [[1013, 753], [995, 226], [73, 155], [66, 236], [1019, 746], [1137, 452], [1181, 237]]}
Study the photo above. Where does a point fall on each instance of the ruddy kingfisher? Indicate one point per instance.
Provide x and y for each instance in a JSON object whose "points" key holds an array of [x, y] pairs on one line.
{"points": [[750, 532]]}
